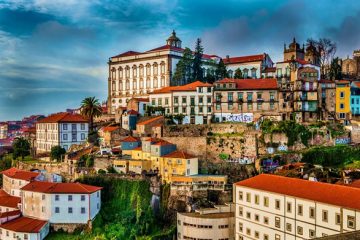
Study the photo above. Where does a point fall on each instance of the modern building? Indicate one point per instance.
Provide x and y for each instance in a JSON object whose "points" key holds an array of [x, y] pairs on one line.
{"points": [[193, 101], [342, 98], [252, 66], [14, 179], [135, 74], [281, 208], [61, 203], [210, 223], [355, 98], [245, 100], [61, 129]]}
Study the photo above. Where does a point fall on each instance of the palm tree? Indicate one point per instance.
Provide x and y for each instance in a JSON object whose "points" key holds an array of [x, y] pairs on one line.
{"points": [[90, 108]]}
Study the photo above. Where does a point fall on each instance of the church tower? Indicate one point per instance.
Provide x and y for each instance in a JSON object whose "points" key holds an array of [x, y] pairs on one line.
{"points": [[312, 55], [173, 40], [294, 51]]}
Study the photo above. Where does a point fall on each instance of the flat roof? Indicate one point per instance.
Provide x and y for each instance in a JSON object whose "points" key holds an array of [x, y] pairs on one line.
{"points": [[209, 215]]}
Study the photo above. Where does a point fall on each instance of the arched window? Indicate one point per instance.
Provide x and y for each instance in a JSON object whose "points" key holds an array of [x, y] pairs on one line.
{"points": [[162, 67], [113, 73], [134, 71], [127, 85], [155, 69], [141, 70], [287, 71], [155, 83], [127, 71], [120, 69], [253, 72], [113, 87], [246, 72], [134, 84], [141, 83], [148, 69], [148, 83], [120, 85], [231, 73]]}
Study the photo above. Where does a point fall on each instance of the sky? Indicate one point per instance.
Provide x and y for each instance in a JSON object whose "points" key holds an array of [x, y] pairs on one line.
{"points": [[53, 53]]}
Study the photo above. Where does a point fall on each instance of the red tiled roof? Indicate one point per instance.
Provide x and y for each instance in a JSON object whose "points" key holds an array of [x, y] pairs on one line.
{"points": [[20, 174], [333, 194], [109, 128], [243, 59], [151, 140], [24, 225], [10, 213], [63, 117], [355, 183], [138, 148], [162, 143], [127, 54], [188, 87], [132, 112], [150, 120], [50, 187], [252, 84], [142, 99], [167, 47], [6, 200], [302, 62], [130, 139], [179, 154]]}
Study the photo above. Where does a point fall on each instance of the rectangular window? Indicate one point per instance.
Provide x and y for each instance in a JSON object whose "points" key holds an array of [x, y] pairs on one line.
{"points": [[57, 197], [70, 210], [248, 197], [57, 210], [266, 237], [257, 235], [249, 106], [288, 227], [288, 207], [277, 204], [230, 106], [272, 106], [83, 136], [342, 94], [248, 215], [65, 137], [266, 220], [337, 219], [311, 233], [230, 97], [82, 197], [73, 127], [351, 222], [184, 100], [43, 197], [82, 126], [166, 101], [209, 109], [266, 201], [300, 210], [176, 109], [249, 97], [208, 100], [300, 230], [277, 222], [325, 216], [64, 126], [160, 101], [83, 211], [201, 100], [312, 212], [176, 100], [257, 218], [192, 101], [240, 195], [218, 107], [259, 106], [277, 237], [69, 197], [257, 201]]}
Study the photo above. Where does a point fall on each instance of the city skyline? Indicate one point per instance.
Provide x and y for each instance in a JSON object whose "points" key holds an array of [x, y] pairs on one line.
{"points": [[56, 53]]}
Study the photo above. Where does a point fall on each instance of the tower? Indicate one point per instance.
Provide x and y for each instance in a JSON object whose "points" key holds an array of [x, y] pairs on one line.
{"points": [[294, 51], [173, 40], [312, 55]]}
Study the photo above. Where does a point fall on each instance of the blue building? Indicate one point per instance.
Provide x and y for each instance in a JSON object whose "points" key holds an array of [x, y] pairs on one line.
{"points": [[355, 98], [128, 144]]}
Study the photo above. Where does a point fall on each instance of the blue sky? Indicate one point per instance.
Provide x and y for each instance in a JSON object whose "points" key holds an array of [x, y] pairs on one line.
{"points": [[53, 53]]}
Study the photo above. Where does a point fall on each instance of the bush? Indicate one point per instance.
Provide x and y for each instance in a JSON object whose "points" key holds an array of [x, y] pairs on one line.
{"points": [[57, 152]]}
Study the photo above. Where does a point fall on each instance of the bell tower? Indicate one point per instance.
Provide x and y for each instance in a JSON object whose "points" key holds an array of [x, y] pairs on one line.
{"points": [[173, 40]]}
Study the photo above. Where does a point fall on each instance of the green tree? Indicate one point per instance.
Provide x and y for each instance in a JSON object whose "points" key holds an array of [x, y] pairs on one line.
{"points": [[221, 71], [89, 161], [179, 118], [21, 147], [183, 68], [335, 69], [57, 152], [238, 74], [91, 108], [197, 70]]}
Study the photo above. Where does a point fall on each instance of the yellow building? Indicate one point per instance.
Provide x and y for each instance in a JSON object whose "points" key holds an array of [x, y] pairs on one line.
{"points": [[343, 109], [131, 166]]}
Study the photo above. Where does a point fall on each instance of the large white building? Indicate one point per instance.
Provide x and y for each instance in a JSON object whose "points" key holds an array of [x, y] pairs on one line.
{"points": [[61, 129], [136, 74], [14, 179], [271, 207], [193, 100], [61, 203]]}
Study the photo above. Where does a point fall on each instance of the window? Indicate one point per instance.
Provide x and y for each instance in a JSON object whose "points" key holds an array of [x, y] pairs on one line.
{"points": [[230, 97], [342, 106], [288, 227], [176, 109], [83, 210], [249, 106], [82, 126], [300, 210], [43, 197], [351, 222], [248, 215], [57, 210], [82, 197], [83, 136], [208, 100], [160, 101], [248, 197], [337, 219], [69, 197], [277, 204], [266, 220], [240, 227], [230, 106], [300, 230], [342, 94], [218, 107], [288, 207], [257, 199], [57, 197], [312, 212], [64, 126], [42, 209], [70, 210], [311, 233], [240, 195], [248, 231], [26, 236], [201, 100], [266, 237], [65, 137], [209, 109], [272, 106], [249, 97], [257, 234], [277, 222], [266, 201], [325, 216], [277, 237], [166, 101], [259, 105]]}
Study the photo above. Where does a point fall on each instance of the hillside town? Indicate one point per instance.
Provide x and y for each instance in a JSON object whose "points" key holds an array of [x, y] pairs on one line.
{"points": [[192, 145]]}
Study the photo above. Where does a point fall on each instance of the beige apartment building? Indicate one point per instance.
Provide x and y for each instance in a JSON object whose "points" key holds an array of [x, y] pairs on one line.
{"points": [[14, 179], [207, 224], [272, 207], [245, 100]]}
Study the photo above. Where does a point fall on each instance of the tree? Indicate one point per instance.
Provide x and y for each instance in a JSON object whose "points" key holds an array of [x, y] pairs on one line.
{"points": [[327, 50], [21, 147], [179, 118], [221, 71], [335, 69], [90, 108], [183, 68], [57, 152], [197, 70], [238, 74]]}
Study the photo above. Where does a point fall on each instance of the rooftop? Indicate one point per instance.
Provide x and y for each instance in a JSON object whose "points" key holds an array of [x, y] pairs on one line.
{"points": [[63, 117], [333, 194], [150, 120], [24, 224], [6, 200], [209, 215], [20, 174], [244, 59], [109, 128], [50, 187], [252, 84], [179, 154], [130, 139], [185, 88]]}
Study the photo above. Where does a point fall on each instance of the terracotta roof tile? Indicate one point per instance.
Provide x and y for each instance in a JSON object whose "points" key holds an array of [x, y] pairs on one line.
{"points": [[20, 174], [179, 154], [130, 139], [250, 84], [10, 214], [50, 187], [243, 59], [109, 128], [127, 54], [63, 117], [132, 112], [333, 194], [162, 143], [24, 224], [150, 120], [6, 200], [167, 47], [185, 88]]}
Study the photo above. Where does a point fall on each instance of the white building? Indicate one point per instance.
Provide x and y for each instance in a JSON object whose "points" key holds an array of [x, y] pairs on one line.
{"points": [[14, 179], [193, 100], [136, 74], [210, 223], [252, 66], [61, 129], [61, 203], [274, 207], [8, 203]]}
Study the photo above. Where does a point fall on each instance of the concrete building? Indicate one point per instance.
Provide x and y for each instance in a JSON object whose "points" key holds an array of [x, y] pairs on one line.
{"points": [[129, 119], [136, 74], [245, 100], [193, 101], [14, 179], [252, 66], [61, 203], [61, 129], [326, 95], [342, 98], [210, 223], [275, 207]]}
